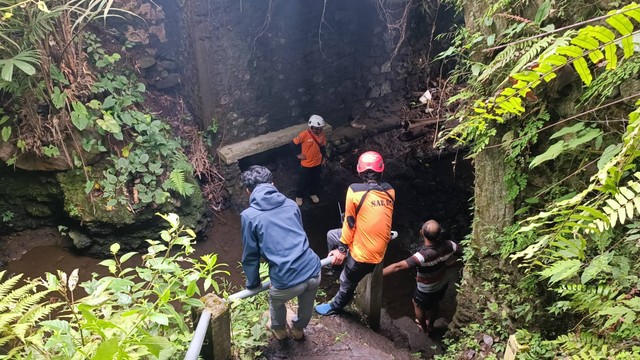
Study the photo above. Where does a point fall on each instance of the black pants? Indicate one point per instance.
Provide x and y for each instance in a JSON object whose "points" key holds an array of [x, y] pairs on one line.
{"points": [[349, 278], [308, 181]]}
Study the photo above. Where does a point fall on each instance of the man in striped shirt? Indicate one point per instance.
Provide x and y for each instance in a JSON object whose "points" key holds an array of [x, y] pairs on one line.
{"points": [[431, 284]]}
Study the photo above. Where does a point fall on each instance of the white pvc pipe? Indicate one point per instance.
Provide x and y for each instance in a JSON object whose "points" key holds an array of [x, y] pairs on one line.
{"points": [[198, 336]]}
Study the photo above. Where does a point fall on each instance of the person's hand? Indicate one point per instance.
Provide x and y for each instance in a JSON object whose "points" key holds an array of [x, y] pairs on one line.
{"points": [[324, 162], [253, 287], [302, 156], [338, 257]]}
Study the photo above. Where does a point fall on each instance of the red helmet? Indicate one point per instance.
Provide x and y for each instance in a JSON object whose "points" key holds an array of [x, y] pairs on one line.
{"points": [[370, 160]]}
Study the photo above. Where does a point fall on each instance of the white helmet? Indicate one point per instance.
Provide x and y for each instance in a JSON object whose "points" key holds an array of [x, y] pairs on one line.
{"points": [[316, 121]]}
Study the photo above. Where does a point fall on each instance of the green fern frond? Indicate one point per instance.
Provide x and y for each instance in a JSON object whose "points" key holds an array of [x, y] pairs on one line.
{"points": [[5, 339], [7, 285], [622, 206], [505, 57], [26, 303], [33, 317], [582, 343], [591, 45], [20, 309], [178, 183], [9, 301], [180, 162], [604, 85], [535, 49]]}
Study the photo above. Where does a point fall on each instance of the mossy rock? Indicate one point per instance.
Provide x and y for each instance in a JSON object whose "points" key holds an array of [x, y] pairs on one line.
{"points": [[81, 207], [106, 225]]}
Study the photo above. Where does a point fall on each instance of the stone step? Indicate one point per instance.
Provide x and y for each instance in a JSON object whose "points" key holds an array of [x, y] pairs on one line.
{"points": [[405, 332]]}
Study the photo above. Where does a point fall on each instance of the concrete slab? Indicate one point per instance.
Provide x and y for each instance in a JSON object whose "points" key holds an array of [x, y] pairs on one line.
{"points": [[233, 152]]}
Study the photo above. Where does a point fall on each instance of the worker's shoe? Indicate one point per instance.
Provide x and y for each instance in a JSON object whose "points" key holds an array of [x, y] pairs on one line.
{"points": [[299, 201], [315, 199], [298, 334], [326, 309], [280, 334]]}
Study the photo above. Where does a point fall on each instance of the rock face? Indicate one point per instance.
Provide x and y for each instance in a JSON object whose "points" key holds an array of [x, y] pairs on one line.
{"points": [[268, 65], [96, 226], [34, 199], [29, 200]]}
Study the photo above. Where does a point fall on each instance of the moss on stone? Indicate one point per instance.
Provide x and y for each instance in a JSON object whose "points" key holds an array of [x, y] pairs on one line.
{"points": [[38, 210], [81, 207]]}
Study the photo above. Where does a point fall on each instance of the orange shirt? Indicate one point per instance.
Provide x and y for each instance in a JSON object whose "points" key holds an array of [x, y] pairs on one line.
{"points": [[309, 147], [368, 240]]}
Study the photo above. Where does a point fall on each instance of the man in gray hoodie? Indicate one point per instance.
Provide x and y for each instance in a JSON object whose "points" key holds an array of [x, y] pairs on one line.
{"points": [[272, 229]]}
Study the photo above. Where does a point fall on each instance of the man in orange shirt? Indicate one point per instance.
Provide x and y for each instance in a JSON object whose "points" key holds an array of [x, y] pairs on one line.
{"points": [[366, 230], [310, 148]]}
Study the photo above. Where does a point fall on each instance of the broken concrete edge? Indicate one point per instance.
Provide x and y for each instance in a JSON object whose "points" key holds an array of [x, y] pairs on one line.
{"points": [[233, 152]]}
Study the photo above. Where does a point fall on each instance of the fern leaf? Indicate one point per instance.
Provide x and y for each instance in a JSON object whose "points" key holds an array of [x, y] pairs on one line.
{"points": [[7, 285], [561, 270], [32, 317], [533, 51], [9, 301], [178, 183]]}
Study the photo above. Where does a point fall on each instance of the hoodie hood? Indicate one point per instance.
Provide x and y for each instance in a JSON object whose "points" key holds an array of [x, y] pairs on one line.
{"points": [[266, 197]]}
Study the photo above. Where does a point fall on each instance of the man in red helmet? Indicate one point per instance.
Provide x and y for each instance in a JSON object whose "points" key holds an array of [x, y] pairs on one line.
{"points": [[366, 230]]}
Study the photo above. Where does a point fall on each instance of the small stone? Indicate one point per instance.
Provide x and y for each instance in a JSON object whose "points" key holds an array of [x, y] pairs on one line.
{"points": [[170, 81], [168, 65], [488, 340], [80, 241], [146, 62]]}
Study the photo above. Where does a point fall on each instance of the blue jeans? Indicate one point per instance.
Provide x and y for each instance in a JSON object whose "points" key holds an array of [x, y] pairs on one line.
{"points": [[306, 293], [350, 276]]}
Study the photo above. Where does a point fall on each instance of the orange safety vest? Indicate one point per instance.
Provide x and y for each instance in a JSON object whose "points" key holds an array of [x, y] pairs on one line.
{"points": [[310, 147], [368, 239]]}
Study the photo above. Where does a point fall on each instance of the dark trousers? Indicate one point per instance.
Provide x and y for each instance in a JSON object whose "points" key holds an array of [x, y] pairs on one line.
{"points": [[349, 278], [308, 181]]}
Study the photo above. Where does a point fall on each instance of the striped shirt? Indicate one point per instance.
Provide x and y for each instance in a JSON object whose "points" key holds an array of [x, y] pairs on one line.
{"points": [[431, 262]]}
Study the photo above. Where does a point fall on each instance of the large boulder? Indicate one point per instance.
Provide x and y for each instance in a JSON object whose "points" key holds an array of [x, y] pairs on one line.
{"points": [[105, 225]]}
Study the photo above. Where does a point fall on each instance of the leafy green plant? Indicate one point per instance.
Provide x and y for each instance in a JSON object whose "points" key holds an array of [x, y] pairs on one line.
{"points": [[249, 324], [577, 243], [148, 168], [588, 44], [22, 306], [140, 311], [7, 216]]}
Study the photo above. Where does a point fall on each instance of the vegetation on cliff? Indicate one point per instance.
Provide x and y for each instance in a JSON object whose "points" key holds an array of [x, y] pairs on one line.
{"points": [[553, 256]]}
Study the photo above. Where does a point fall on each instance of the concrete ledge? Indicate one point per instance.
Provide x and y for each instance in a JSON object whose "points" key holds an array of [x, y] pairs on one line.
{"points": [[368, 297], [269, 141]]}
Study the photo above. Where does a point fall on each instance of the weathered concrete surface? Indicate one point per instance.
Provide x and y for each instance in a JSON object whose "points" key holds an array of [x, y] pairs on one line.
{"points": [[217, 344], [259, 66], [369, 297]]}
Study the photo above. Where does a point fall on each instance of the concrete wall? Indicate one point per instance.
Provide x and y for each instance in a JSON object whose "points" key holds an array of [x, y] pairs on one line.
{"points": [[259, 66]]}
